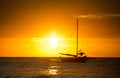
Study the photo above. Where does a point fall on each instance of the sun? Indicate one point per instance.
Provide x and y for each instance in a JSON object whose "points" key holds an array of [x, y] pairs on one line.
{"points": [[53, 41]]}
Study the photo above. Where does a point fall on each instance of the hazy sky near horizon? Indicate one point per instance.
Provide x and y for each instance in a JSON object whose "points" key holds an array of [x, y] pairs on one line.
{"points": [[98, 19]]}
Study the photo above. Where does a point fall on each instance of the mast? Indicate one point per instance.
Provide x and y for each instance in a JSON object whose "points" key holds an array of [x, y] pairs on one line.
{"points": [[77, 38]]}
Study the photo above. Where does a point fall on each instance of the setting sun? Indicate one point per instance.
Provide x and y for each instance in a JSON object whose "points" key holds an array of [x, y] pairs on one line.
{"points": [[53, 41]]}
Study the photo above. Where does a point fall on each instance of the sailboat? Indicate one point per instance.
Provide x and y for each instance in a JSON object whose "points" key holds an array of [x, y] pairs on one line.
{"points": [[79, 56]]}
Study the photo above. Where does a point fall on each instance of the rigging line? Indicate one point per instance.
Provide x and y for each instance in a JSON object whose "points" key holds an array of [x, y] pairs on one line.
{"points": [[77, 38]]}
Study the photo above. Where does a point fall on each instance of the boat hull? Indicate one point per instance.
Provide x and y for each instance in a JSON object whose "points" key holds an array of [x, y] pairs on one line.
{"points": [[70, 59]]}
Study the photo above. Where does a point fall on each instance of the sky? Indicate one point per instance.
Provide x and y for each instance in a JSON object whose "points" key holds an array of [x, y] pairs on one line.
{"points": [[26, 27]]}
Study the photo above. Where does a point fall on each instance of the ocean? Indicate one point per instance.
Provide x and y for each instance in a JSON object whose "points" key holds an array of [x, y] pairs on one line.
{"points": [[44, 67]]}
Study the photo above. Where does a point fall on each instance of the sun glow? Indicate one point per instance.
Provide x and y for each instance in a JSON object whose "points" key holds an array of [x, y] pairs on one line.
{"points": [[53, 41]]}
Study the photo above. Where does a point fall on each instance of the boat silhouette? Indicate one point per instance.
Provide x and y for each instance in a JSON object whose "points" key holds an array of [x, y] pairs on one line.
{"points": [[79, 56]]}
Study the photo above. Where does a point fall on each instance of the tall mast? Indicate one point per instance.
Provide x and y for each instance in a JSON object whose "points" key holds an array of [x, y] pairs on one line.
{"points": [[77, 38]]}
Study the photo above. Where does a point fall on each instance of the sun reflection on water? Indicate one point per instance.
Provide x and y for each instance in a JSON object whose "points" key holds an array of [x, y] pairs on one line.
{"points": [[53, 68], [53, 71]]}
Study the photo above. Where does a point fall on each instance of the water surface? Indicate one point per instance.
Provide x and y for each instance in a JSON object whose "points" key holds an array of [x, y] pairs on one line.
{"points": [[30, 67]]}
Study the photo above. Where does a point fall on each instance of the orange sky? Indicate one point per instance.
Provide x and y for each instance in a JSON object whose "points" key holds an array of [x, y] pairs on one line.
{"points": [[26, 27], [40, 47]]}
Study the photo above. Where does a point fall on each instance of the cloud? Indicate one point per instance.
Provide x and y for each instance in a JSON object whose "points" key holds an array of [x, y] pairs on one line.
{"points": [[97, 16]]}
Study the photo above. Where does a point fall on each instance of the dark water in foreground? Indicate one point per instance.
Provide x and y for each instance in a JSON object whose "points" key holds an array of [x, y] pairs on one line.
{"points": [[54, 68]]}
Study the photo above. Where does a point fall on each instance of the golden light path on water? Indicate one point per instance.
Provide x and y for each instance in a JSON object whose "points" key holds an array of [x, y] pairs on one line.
{"points": [[52, 69]]}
